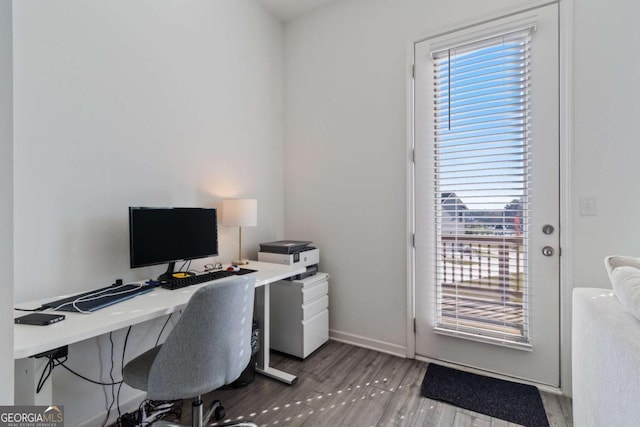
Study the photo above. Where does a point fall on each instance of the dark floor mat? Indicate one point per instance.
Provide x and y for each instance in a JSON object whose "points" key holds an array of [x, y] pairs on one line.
{"points": [[517, 403]]}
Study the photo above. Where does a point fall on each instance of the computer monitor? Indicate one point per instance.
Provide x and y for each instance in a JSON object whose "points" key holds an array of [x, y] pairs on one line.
{"points": [[168, 235]]}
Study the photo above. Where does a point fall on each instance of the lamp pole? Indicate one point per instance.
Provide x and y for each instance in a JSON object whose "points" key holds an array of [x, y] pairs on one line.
{"points": [[240, 243]]}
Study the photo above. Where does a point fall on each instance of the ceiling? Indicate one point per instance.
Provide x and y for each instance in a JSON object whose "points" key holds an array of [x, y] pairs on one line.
{"points": [[286, 10]]}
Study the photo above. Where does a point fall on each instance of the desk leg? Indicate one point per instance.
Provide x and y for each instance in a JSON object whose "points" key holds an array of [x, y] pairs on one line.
{"points": [[263, 314], [27, 374]]}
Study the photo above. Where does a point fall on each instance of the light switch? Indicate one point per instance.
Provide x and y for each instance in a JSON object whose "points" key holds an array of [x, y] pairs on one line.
{"points": [[588, 206]]}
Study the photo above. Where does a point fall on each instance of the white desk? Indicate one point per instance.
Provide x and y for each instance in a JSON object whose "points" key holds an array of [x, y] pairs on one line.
{"points": [[30, 340]]}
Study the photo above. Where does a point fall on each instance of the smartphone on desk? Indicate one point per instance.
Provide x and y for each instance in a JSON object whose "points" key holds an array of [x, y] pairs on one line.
{"points": [[40, 319]]}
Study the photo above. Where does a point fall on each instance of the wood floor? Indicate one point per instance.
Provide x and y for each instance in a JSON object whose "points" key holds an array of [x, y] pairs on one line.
{"points": [[343, 385]]}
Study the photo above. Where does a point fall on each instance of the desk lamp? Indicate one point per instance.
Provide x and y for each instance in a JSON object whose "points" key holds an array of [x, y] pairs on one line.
{"points": [[240, 213]]}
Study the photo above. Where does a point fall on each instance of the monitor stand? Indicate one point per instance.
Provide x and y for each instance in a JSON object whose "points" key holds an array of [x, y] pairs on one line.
{"points": [[168, 275]]}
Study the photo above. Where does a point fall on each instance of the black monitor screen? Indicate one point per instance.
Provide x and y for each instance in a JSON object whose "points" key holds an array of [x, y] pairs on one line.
{"points": [[166, 235]]}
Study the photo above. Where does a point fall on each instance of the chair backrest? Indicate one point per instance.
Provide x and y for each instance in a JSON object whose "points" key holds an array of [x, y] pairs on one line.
{"points": [[210, 345]]}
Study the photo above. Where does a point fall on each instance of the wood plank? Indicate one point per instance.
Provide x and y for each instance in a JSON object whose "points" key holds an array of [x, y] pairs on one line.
{"points": [[339, 373], [325, 358], [566, 404], [366, 407], [332, 407], [392, 373], [404, 407], [343, 385], [497, 422], [474, 415], [365, 371], [464, 418], [435, 414], [553, 409]]}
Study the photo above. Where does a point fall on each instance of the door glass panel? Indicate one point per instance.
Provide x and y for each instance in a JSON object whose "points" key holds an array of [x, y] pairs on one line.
{"points": [[482, 187]]}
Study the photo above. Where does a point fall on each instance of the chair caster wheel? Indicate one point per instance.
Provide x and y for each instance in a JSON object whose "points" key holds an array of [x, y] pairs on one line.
{"points": [[218, 410], [219, 413]]}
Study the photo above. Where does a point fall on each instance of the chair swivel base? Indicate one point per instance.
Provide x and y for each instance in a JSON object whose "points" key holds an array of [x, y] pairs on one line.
{"points": [[198, 419]]}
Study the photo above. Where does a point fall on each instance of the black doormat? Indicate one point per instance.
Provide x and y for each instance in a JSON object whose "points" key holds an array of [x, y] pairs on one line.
{"points": [[517, 403]]}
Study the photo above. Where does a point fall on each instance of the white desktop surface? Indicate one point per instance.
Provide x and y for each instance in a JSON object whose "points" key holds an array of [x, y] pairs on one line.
{"points": [[30, 340]]}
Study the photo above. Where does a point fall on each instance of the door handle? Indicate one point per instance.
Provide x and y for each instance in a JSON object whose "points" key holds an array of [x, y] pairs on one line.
{"points": [[547, 251]]}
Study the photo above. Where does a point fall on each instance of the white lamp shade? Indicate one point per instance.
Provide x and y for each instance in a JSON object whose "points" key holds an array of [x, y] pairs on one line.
{"points": [[240, 212]]}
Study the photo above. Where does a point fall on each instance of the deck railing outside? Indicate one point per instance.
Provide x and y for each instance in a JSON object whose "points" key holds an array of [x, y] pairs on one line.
{"points": [[482, 282]]}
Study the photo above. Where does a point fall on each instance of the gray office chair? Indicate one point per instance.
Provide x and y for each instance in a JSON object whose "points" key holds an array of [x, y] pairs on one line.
{"points": [[208, 348]]}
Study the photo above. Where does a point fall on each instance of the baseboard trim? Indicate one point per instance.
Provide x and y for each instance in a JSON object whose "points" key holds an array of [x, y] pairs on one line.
{"points": [[371, 344], [128, 405]]}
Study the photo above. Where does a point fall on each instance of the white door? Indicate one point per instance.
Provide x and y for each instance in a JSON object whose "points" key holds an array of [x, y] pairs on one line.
{"points": [[486, 123]]}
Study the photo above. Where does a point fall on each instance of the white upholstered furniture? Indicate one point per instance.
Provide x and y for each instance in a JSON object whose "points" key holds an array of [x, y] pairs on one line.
{"points": [[605, 360]]}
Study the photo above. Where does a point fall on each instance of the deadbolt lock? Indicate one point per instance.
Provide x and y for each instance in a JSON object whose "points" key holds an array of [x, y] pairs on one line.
{"points": [[548, 229]]}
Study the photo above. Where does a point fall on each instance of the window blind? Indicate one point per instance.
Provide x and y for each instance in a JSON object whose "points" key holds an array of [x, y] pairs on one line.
{"points": [[482, 187]]}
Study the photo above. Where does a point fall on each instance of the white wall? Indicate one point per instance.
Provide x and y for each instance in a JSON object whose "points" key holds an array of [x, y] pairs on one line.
{"points": [[346, 73], [6, 203], [146, 103], [606, 142]]}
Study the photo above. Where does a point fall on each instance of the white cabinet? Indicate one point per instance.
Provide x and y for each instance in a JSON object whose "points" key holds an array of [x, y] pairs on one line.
{"points": [[300, 314]]}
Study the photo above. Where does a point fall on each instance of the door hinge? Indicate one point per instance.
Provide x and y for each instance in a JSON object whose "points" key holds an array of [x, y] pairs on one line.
{"points": [[413, 240], [413, 155], [413, 71], [414, 325]]}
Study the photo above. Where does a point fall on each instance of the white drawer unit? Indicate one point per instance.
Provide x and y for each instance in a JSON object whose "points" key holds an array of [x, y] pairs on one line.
{"points": [[300, 314]]}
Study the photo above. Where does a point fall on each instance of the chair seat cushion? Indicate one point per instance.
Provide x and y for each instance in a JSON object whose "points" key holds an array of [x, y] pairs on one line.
{"points": [[136, 372]]}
